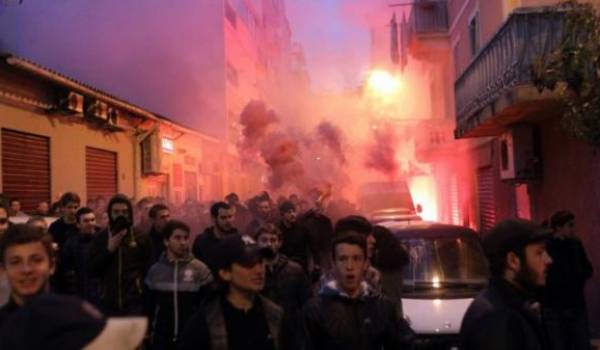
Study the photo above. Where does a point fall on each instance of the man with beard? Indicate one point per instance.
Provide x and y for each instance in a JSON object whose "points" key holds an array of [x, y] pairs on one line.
{"points": [[176, 285], [295, 237], [159, 215], [506, 314], [222, 215], [287, 284], [237, 317], [27, 261], [262, 216], [242, 215], [348, 314], [120, 257]]}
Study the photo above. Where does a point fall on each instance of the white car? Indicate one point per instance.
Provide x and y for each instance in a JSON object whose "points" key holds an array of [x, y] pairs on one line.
{"points": [[447, 269]]}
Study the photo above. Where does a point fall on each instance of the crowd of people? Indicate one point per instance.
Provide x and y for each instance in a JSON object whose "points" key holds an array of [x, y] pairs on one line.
{"points": [[264, 274]]}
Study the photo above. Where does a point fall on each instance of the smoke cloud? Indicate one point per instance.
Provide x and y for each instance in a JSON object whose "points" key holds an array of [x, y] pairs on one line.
{"points": [[381, 153]]}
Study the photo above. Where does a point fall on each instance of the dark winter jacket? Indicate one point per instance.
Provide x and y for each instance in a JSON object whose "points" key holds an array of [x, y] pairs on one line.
{"points": [[567, 275], [122, 272], [207, 329], [7, 310], [204, 246], [334, 321], [320, 234], [502, 318], [287, 286], [295, 243], [158, 245], [61, 231], [175, 290], [75, 266]]}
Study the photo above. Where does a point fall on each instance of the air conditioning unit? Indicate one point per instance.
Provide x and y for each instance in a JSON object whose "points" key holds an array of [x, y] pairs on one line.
{"points": [[519, 158], [98, 109], [151, 154], [72, 104], [113, 116]]}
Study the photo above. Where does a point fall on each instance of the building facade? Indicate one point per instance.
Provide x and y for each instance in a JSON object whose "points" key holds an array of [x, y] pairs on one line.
{"points": [[59, 135], [515, 161], [199, 62]]}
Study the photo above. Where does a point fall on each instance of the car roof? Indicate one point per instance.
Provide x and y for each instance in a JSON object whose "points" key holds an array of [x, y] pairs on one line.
{"points": [[426, 229]]}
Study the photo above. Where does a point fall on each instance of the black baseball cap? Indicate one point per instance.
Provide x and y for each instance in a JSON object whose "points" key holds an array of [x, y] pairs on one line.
{"points": [[513, 234], [240, 250], [69, 323]]}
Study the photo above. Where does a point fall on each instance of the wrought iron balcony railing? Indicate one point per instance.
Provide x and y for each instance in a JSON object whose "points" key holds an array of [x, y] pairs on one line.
{"points": [[504, 62]]}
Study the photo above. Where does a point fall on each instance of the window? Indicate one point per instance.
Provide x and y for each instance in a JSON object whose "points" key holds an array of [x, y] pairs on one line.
{"points": [[474, 34]]}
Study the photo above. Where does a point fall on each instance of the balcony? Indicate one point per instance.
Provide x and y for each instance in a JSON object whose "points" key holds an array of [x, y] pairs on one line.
{"points": [[425, 32], [495, 90], [430, 17]]}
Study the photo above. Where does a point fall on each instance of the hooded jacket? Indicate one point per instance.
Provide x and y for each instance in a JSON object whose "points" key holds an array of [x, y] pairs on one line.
{"points": [[334, 320], [121, 272], [502, 318], [176, 290]]}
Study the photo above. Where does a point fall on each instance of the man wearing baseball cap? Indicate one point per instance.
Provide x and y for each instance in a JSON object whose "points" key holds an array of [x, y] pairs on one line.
{"points": [[506, 314], [237, 317], [54, 322]]}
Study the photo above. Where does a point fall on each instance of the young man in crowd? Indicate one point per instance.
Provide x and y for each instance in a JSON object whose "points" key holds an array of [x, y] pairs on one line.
{"points": [[286, 282], [15, 207], [120, 257], [359, 225], [43, 209], [67, 223], [565, 314], [222, 215], [348, 314], [159, 215], [295, 236], [177, 283], [75, 259], [237, 318], [242, 215], [506, 315], [262, 215], [53, 322], [27, 261]]}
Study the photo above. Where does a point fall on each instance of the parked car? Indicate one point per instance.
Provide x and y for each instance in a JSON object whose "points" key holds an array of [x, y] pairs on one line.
{"points": [[447, 269]]}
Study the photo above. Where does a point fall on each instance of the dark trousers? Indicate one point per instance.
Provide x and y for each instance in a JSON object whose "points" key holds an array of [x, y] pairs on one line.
{"points": [[567, 329]]}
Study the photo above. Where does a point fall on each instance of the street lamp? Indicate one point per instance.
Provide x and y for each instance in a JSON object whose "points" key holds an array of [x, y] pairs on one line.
{"points": [[383, 83]]}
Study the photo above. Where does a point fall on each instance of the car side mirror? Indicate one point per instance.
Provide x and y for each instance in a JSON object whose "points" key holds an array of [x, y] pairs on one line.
{"points": [[419, 209]]}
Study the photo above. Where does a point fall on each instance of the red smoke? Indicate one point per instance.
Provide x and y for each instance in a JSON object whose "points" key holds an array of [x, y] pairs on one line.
{"points": [[256, 118], [331, 136], [282, 154], [381, 154]]}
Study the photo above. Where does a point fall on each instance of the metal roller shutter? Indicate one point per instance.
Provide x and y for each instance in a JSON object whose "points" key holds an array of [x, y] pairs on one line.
{"points": [[487, 199], [26, 168], [100, 172]]}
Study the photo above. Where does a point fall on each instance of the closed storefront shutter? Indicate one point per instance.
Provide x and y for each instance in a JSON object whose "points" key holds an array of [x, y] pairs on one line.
{"points": [[487, 199], [25, 168], [100, 172]]}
